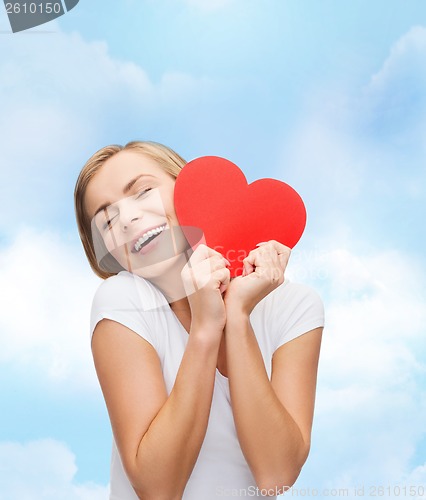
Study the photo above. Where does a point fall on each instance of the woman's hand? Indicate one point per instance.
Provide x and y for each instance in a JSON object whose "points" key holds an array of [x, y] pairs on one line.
{"points": [[263, 272], [205, 278]]}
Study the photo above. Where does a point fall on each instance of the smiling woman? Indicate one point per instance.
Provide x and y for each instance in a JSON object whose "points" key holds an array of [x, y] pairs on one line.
{"points": [[160, 163], [209, 382]]}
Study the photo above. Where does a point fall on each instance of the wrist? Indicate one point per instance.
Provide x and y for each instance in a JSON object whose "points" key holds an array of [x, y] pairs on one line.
{"points": [[205, 349], [236, 311], [237, 308], [205, 336]]}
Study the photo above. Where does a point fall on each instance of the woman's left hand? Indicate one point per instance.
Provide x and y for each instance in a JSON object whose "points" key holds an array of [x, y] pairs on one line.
{"points": [[263, 272]]}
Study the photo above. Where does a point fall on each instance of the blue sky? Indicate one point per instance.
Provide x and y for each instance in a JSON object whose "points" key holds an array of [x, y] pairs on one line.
{"points": [[328, 96]]}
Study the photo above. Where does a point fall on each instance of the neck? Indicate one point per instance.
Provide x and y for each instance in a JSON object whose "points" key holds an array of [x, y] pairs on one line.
{"points": [[171, 285]]}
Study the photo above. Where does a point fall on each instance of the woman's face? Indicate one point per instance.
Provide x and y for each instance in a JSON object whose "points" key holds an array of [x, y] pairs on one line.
{"points": [[130, 202]]}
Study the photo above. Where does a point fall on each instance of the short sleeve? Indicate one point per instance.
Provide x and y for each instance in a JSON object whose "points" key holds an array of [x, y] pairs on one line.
{"points": [[130, 301], [297, 310]]}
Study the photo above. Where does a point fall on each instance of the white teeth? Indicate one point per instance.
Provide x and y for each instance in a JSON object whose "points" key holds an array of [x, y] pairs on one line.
{"points": [[148, 235]]}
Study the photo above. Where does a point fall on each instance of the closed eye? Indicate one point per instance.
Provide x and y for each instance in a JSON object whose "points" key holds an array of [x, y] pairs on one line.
{"points": [[107, 224], [141, 193]]}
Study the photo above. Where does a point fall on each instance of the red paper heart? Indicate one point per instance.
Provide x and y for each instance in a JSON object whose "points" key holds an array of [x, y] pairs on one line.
{"points": [[212, 193]]}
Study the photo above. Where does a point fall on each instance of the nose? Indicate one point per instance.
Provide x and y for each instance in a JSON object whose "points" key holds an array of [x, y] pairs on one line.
{"points": [[128, 214], [126, 225]]}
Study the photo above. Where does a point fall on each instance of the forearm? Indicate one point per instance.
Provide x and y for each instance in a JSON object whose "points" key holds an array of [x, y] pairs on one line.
{"points": [[169, 449], [269, 437]]}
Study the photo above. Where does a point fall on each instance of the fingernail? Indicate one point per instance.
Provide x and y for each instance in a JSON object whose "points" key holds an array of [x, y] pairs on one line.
{"points": [[261, 243]]}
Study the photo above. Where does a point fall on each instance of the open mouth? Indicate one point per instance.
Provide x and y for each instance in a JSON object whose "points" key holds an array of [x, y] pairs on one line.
{"points": [[147, 237]]}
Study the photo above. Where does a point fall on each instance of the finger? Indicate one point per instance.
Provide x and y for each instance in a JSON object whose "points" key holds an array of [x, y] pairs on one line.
{"points": [[264, 255], [203, 252], [279, 247], [249, 263], [212, 252], [273, 262], [217, 262], [203, 272], [266, 263], [224, 278], [248, 267], [283, 258]]}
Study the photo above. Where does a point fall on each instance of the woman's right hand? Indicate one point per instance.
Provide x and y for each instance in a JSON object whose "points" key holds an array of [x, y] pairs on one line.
{"points": [[205, 278]]}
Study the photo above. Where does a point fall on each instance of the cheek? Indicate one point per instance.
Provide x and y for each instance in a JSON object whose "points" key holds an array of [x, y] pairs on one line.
{"points": [[156, 203], [168, 205], [118, 248], [112, 243], [120, 255], [165, 200]]}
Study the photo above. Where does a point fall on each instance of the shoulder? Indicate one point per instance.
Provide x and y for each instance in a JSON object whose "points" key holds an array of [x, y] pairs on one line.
{"points": [[290, 296], [127, 291], [291, 310], [299, 294], [129, 300]]}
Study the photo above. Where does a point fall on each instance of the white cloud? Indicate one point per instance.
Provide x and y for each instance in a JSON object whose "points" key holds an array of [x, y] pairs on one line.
{"points": [[80, 81], [43, 470], [45, 300], [343, 125], [405, 64], [417, 480], [326, 162], [328, 156], [394, 100], [357, 156]]}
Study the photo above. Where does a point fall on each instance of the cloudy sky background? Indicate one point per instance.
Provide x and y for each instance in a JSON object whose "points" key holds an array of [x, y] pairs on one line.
{"points": [[328, 96]]}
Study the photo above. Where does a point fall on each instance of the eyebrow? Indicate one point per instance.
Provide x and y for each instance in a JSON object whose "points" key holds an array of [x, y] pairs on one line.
{"points": [[126, 189]]}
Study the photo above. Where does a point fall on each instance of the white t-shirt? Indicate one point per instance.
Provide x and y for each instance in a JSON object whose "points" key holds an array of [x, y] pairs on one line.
{"points": [[221, 470]]}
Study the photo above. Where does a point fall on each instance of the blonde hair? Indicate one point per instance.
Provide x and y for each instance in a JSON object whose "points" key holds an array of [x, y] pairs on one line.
{"points": [[166, 158]]}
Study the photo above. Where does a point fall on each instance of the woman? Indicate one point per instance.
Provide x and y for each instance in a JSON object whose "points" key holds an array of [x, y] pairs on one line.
{"points": [[209, 382]]}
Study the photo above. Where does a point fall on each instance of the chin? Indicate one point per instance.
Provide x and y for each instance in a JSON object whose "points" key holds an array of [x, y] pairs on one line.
{"points": [[160, 270]]}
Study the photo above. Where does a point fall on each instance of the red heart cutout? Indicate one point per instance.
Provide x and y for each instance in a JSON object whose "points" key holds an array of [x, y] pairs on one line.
{"points": [[212, 193]]}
